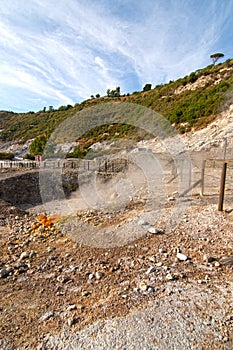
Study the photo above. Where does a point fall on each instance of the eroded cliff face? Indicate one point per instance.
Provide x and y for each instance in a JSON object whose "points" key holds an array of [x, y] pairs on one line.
{"points": [[24, 189], [19, 189]]}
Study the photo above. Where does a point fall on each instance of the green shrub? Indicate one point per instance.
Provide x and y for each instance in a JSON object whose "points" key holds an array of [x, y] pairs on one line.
{"points": [[77, 153], [37, 146], [192, 77], [29, 157], [6, 156]]}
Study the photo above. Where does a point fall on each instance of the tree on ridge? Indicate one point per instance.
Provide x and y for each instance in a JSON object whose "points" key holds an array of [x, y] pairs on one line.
{"points": [[215, 56]]}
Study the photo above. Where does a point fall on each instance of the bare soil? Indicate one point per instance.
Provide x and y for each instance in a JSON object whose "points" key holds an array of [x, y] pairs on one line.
{"points": [[60, 288]]}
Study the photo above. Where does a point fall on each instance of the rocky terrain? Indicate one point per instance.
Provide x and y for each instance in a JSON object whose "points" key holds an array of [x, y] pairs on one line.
{"points": [[134, 277], [167, 289]]}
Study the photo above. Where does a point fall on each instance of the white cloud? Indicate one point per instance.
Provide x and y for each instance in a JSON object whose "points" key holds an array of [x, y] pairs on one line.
{"points": [[66, 50]]}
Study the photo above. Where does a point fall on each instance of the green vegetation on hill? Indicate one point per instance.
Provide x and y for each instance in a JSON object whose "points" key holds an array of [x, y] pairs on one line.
{"points": [[6, 156], [189, 102], [37, 146], [197, 107]]}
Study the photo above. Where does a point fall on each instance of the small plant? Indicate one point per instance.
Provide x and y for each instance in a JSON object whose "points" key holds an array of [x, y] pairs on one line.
{"points": [[29, 157], [6, 156]]}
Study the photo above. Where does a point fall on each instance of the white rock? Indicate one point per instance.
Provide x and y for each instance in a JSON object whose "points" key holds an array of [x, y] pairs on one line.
{"points": [[150, 270], [154, 230], [143, 223], [152, 259], [46, 316], [71, 307], [91, 276], [98, 275], [170, 277], [182, 257], [71, 321], [161, 250], [201, 281], [143, 286], [50, 249], [24, 255]]}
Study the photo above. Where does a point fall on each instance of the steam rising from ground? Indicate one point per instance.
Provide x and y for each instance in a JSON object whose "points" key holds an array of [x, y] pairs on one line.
{"points": [[143, 179]]}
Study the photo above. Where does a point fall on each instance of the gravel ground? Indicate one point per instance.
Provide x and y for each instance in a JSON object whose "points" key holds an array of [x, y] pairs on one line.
{"points": [[166, 289], [178, 321]]}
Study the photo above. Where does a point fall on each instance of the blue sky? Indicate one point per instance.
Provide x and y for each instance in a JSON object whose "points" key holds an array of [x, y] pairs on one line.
{"points": [[59, 52]]}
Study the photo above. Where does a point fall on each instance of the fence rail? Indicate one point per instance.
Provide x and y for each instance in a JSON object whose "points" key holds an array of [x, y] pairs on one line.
{"points": [[15, 164], [101, 165]]}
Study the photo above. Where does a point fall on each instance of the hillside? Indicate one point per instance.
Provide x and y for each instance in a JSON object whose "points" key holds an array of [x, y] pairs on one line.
{"points": [[189, 103]]}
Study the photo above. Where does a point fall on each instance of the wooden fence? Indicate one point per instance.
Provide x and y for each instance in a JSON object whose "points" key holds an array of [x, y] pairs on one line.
{"points": [[212, 177], [216, 179], [18, 164], [99, 164]]}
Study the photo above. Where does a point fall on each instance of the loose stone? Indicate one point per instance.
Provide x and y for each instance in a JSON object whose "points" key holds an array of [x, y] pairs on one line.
{"points": [[150, 270], [143, 223], [170, 277], [155, 231], [143, 286], [5, 272], [91, 276], [50, 249], [85, 293], [98, 275], [24, 255], [182, 257], [46, 316], [71, 321], [162, 250], [208, 259], [150, 289], [71, 307]]}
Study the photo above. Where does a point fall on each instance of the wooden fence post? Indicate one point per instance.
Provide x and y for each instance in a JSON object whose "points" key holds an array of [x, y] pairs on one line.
{"points": [[222, 187], [203, 177]]}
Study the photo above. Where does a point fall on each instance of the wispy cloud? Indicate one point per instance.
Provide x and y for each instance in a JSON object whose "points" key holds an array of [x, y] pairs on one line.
{"points": [[60, 52]]}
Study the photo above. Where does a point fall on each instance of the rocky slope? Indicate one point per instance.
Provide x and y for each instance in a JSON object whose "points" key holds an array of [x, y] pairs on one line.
{"points": [[213, 139]]}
